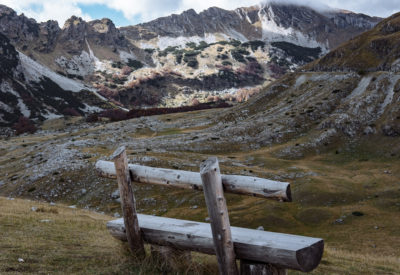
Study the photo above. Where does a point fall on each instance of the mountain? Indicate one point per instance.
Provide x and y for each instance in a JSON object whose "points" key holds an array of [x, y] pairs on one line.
{"points": [[375, 50], [316, 110], [181, 59], [274, 21], [29, 89], [67, 49]]}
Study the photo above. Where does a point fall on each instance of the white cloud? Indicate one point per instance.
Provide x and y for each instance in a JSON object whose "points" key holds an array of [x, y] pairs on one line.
{"points": [[145, 10], [44, 10], [224, 4]]}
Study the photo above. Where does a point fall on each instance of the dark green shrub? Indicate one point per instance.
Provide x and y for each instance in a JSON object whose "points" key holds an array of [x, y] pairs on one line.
{"points": [[134, 64], [235, 43], [298, 53], [117, 64], [193, 63], [149, 51], [191, 45]]}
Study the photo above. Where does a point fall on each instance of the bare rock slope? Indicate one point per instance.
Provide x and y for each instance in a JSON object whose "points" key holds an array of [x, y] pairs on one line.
{"points": [[29, 89]]}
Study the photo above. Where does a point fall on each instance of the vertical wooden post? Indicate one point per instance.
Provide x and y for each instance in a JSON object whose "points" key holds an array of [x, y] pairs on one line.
{"points": [[254, 268], [128, 203], [218, 212]]}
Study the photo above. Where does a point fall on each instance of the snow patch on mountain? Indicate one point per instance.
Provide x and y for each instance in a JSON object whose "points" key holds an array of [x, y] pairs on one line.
{"points": [[232, 34], [361, 88], [78, 65], [6, 88], [49, 115], [125, 56], [300, 80], [181, 41], [390, 94], [91, 109], [23, 108], [272, 32], [35, 72], [100, 66], [5, 107]]}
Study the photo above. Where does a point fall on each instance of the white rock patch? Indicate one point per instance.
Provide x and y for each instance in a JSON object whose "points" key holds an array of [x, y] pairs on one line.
{"points": [[35, 72]]}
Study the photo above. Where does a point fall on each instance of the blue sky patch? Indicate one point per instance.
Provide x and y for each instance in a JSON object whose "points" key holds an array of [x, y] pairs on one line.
{"points": [[97, 11]]}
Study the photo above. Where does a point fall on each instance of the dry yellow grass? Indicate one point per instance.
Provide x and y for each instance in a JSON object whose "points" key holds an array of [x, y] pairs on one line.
{"points": [[61, 240], [358, 180]]}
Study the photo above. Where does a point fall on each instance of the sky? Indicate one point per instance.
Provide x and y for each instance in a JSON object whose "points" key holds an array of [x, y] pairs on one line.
{"points": [[131, 12]]}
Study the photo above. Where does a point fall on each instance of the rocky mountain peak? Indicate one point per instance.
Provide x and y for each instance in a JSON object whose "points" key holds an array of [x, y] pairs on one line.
{"points": [[189, 12], [73, 21], [269, 22], [104, 25], [4, 10], [17, 28]]}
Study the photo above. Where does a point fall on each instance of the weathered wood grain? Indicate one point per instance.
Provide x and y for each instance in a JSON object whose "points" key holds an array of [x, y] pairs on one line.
{"points": [[244, 185], [219, 218], [128, 204], [284, 250]]}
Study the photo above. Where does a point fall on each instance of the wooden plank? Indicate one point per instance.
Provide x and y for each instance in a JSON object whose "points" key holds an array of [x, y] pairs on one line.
{"points": [[219, 218], [244, 185], [284, 250], [254, 268], [128, 204]]}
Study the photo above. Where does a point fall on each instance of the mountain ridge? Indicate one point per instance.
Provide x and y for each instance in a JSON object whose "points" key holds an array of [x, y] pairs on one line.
{"points": [[374, 50], [181, 59], [246, 23]]}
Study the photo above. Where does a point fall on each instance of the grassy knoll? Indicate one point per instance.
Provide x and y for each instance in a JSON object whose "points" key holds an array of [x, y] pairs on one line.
{"points": [[60, 240]]}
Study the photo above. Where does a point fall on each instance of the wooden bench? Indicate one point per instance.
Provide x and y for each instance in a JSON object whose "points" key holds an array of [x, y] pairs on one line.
{"points": [[284, 250], [260, 252]]}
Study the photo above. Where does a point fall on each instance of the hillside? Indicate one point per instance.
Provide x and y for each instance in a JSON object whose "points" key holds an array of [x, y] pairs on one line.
{"points": [[318, 110], [327, 189], [375, 50], [184, 59], [31, 90]]}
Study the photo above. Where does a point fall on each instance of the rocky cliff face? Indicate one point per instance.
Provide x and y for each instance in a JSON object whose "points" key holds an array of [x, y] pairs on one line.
{"points": [[269, 22], [28, 89], [8, 58], [26, 33], [76, 34], [73, 49]]}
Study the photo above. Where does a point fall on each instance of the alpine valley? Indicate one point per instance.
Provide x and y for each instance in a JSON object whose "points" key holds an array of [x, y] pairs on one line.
{"points": [[277, 91], [173, 61]]}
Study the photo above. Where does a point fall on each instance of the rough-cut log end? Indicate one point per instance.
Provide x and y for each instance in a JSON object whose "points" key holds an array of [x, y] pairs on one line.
{"points": [[118, 153], [209, 165], [310, 257]]}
